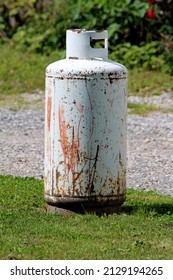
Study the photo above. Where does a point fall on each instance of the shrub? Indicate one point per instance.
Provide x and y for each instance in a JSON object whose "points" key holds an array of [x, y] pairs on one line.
{"points": [[43, 29], [147, 56], [40, 26]]}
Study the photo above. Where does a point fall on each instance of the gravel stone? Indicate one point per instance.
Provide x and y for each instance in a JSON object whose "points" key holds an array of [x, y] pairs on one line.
{"points": [[21, 143], [150, 152], [149, 148]]}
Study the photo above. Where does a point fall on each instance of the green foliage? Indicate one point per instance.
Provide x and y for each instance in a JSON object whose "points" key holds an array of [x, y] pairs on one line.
{"points": [[147, 56], [168, 58], [134, 38], [27, 231], [121, 18], [42, 30], [14, 14]]}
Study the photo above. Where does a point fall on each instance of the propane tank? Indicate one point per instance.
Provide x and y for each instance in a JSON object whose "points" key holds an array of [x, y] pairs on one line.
{"points": [[85, 127]]}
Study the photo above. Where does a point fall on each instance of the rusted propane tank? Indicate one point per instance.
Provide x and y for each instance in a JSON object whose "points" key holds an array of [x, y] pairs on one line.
{"points": [[85, 127]]}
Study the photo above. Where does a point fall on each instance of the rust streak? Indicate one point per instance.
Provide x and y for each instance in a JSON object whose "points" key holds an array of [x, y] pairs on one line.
{"points": [[49, 111], [62, 126], [78, 107], [73, 152], [70, 147]]}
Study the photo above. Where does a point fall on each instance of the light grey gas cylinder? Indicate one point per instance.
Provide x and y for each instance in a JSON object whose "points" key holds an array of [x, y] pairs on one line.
{"points": [[85, 127]]}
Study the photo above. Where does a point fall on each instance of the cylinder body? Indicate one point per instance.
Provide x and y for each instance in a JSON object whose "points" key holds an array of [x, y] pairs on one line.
{"points": [[85, 134]]}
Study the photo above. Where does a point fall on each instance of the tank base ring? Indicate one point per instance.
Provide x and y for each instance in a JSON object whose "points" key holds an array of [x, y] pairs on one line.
{"points": [[98, 205]]}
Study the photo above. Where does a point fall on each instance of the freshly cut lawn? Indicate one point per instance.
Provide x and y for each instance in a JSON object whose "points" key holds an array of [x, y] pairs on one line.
{"points": [[144, 229]]}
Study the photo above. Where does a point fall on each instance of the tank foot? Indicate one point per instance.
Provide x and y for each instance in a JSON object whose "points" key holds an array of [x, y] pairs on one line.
{"points": [[98, 211], [62, 211]]}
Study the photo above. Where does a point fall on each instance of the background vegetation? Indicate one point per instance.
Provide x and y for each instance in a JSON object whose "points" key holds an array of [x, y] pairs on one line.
{"points": [[140, 31]]}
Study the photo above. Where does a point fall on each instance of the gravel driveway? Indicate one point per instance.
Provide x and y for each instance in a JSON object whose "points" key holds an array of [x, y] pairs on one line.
{"points": [[149, 149]]}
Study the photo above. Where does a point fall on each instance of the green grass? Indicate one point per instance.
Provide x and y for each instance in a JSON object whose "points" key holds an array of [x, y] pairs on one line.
{"points": [[141, 109], [25, 72], [143, 230], [144, 110], [147, 83]]}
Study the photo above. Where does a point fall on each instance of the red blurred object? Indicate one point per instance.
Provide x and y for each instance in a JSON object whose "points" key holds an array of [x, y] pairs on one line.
{"points": [[168, 46], [151, 1], [150, 14]]}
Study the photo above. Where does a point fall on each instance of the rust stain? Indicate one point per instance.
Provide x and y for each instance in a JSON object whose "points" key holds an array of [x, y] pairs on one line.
{"points": [[58, 175], [78, 107], [63, 136], [121, 179], [72, 154], [70, 147], [92, 172], [118, 183], [121, 182], [49, 111], [48, 156]]}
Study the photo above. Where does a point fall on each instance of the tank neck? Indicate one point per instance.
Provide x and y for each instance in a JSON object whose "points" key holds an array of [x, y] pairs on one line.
{"points": [[78, 44]]}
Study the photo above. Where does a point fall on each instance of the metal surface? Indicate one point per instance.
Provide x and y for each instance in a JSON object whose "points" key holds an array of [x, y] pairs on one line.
{"points": [[85, 129]]}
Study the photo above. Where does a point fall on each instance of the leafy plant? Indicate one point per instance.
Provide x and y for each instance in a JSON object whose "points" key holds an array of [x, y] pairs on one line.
{"points": [[43, 29], [168, 54], [147, 56], [139, 30]]}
